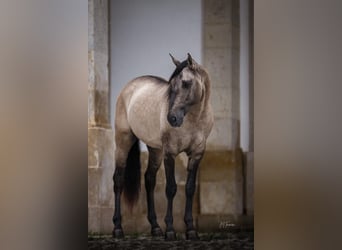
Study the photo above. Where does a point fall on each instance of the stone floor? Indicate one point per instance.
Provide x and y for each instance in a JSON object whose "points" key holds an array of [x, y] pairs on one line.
{"points": [[225, 240]]}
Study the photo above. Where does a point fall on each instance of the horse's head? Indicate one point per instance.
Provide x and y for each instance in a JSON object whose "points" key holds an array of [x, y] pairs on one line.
{"points": [[185, 90]]}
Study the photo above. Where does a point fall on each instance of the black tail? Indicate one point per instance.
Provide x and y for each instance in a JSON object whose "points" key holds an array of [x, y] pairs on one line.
{"points": [[132, 176]]}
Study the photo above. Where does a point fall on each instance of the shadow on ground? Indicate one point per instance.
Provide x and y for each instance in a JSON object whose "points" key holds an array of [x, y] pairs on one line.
{"points": [[227, 240]]}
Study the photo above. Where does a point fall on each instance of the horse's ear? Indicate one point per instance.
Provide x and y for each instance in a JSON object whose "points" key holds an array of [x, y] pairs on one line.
{"points": [[192, 63], [175, 61]]}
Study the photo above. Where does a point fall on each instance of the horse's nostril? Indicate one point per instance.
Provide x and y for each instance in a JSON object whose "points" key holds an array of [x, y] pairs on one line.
{"points": [[173, 120]]}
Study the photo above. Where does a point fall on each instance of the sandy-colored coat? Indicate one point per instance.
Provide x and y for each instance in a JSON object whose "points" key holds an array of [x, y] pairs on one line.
{"points": [[142, 108], [170, 118]]}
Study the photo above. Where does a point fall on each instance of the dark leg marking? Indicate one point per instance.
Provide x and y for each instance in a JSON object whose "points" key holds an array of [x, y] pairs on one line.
{"points": [[118, 179], [190, 187], [171, 189], [154, 161]]}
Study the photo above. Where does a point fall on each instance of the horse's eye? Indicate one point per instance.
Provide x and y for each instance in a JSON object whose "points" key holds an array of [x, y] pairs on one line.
{"points": [[186, 84]]}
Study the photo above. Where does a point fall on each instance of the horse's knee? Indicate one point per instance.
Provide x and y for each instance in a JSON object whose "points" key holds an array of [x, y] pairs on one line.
{"points": [[190, 189], [171, 189], [150, 179]]}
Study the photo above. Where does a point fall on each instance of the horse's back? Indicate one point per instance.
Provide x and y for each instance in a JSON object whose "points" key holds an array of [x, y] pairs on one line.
{"points": [[142, 105]]}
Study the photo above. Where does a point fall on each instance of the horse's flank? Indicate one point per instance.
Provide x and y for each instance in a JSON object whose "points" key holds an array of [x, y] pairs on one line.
{"points": [[144, 108]]}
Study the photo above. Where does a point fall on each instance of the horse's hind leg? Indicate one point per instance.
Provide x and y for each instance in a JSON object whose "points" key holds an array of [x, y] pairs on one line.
{"points": [[124, 140], [154, 160]]}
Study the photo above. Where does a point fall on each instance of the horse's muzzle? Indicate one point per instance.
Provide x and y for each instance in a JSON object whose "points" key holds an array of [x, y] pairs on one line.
{"points": [[175, 118]]}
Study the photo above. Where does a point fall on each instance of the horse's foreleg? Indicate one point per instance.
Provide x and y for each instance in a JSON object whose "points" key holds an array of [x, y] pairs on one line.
{"points": [[190, 191], [171, 189], [154, 161]]}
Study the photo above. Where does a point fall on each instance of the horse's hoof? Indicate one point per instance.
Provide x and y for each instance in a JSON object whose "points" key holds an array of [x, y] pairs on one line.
{"points": [[192, 235], [170, 235], [118, 233], [157, 232]]}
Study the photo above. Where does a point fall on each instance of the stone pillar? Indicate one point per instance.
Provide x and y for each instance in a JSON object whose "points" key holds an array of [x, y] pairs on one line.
{"points": [[221, 58], [100, 134], [221, 171], [98, 60]]}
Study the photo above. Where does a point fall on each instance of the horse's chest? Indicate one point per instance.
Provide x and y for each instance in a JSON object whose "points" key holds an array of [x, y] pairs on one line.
{"points": [[176, 141]]}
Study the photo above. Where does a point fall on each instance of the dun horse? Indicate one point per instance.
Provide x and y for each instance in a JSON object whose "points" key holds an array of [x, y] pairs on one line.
{"points": [[170, 117]]}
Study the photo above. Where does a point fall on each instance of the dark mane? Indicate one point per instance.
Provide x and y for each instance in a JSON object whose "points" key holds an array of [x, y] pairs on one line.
{"points": [[175, 73], [179, 69]]}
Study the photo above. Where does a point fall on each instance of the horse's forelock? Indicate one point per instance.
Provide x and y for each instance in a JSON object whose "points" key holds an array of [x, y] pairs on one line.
{"points": [[175, 73], [178, 69]]}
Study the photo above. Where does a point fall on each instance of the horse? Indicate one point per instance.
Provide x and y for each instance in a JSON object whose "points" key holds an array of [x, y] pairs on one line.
{"points": [[170, 117]]}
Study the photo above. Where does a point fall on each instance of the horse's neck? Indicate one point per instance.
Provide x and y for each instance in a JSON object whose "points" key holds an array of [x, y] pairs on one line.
{"points": [[206, 101], [207, 93], [200, 110]]}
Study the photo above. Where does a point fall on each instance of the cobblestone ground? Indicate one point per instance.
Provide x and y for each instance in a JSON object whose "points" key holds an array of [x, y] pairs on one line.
{"points": [[231, 240]]}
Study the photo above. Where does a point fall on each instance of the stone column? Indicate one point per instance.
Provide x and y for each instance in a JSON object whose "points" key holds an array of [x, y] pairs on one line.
{"points": [[221, 171], [100, 134], [98, 60], [221, 58]]}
